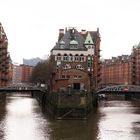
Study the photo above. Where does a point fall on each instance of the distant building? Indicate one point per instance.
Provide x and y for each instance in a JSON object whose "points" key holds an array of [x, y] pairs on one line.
{"points": [[123, 69], [26, 72], [10, 71], [16, 79], [4, 58], [21, 74], [31, 62], [136, 65], [116, 70], [76, 61]]}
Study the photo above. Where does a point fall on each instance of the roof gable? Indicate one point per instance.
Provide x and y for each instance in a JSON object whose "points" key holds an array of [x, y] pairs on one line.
{"points": [[88, 39]]}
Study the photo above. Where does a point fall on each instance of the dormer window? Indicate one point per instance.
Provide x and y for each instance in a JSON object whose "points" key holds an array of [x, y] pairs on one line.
{"points": [[73, 44], [62, 44]]}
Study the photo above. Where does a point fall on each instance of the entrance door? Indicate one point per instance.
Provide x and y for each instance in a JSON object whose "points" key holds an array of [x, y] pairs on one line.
{"points": [[76, 86]]}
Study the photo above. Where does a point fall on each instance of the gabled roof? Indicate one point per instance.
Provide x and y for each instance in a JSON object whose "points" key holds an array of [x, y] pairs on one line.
{"points": [[72, 36]]}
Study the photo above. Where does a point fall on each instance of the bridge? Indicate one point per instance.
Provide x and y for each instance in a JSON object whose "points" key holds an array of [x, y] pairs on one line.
{"points": [[18, 88], [121, 89]]}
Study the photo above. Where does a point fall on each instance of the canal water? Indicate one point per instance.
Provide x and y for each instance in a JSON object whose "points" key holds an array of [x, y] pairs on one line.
{"points": [[21, 118]]}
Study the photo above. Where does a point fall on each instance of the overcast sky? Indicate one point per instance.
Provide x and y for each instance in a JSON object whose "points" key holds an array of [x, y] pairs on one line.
{"points": [[32, 25]]}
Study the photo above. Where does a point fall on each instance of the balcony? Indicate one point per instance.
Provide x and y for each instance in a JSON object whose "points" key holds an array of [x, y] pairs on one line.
{"points": [[99, 80], [4, 77], [133, 57], [1, 40], [7, 71], [7, 66], [3, 63], [133, 62], [1, 46], [133, 75], [133, 67], [4, 58], [4, 52]]}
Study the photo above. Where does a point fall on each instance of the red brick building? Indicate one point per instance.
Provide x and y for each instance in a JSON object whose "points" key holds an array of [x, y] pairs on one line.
{"points": [[75, 61], [136, 65], [4, 58], [26, 72], [116, 70], [123, 69]]}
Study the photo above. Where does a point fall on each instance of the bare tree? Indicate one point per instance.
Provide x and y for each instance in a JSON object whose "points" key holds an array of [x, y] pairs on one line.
{"points": [[41, 72]]}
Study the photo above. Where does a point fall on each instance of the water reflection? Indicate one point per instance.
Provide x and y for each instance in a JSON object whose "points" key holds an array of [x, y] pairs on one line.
{"points": [[117, 120], [74, 129], [2, 117], [22, 119]]}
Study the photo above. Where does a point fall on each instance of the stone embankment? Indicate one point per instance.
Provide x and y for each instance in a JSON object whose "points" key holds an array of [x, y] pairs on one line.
{"points": [[64, 105]]}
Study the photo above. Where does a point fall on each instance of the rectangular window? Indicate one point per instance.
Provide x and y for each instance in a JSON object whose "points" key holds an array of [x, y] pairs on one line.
{"points": [[71, 58], [81, 59], [59, 58], [68, 76], [76, 86], [63, 76], [76, 58], [65, 58]]}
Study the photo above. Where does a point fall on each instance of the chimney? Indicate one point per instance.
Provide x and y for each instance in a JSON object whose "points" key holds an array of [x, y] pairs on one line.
{"points": [[83, 31], [61, 34]]}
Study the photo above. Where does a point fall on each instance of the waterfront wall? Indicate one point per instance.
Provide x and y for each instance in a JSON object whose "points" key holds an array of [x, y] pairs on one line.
{"points": [[2, 97], [134, 96], [64, 105]]}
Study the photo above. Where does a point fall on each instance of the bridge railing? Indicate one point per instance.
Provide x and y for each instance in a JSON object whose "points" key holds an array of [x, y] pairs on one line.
{"points": [[120, 88]]}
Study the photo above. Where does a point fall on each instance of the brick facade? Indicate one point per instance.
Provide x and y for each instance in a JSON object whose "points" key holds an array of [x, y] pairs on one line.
{"points": [[136, 65], [116, 70], [4, 58], [26, 72], [123, 69], [75, 61]]}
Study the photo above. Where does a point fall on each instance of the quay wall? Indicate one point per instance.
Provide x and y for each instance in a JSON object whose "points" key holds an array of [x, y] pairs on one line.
{"points": [[2, 97], [134, 96], [64, 105]]}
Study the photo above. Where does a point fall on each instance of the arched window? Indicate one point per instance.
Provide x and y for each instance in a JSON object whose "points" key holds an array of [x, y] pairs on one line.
{"points": [[82, 58], [65, 57], [70, 57], [76, 57], [59, 57]]}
